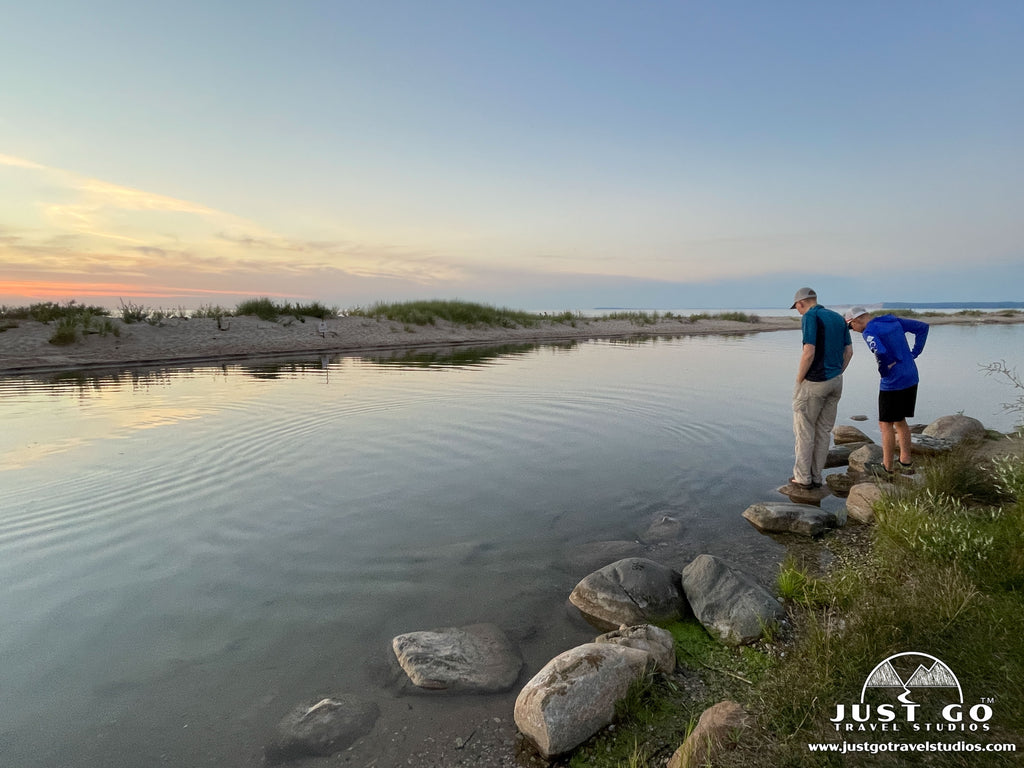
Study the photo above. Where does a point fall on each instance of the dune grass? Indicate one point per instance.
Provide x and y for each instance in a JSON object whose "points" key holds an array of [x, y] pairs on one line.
{"points": [[460, 312]]}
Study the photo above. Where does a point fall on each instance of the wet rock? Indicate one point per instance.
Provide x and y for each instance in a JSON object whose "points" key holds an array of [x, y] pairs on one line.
{"points": [[787, 517], [664, 528], [839, 483], [630, 591], [322, 728], [476, 658], [844, 434]]}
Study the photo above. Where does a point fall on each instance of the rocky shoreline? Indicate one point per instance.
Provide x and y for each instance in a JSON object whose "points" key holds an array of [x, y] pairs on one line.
{"points": [[573, 697]]}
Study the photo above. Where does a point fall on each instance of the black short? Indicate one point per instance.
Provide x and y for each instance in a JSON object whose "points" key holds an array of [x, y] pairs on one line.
{"points": [[896, 405]]}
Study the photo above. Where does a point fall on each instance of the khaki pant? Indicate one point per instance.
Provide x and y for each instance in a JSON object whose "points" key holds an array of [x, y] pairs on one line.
{"points": [[815, 404]]}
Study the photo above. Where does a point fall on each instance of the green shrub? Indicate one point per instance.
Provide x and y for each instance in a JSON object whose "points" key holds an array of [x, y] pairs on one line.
{"points": [[66, 331], [133, 313]]}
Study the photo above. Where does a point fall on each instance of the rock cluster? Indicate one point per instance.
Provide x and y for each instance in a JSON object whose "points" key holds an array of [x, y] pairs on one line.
{"points": [[575, 694]]}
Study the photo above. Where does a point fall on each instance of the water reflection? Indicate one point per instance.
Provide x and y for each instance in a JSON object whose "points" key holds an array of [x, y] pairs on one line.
{"points": [[224, 541]]}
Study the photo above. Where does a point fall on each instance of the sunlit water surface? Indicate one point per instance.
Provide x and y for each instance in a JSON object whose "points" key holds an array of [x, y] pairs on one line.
{"points": [[186, 554]]}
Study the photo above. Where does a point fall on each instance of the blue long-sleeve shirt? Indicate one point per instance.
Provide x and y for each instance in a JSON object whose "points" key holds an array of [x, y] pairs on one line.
{"points": [[886, 336]]}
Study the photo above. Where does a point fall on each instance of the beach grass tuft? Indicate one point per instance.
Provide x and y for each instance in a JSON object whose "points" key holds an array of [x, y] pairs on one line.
{"points": [[269, 310], [458, 312]]}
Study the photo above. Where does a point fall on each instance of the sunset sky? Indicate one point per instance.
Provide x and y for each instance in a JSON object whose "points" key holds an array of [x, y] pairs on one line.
{"points": [[564, 154]]}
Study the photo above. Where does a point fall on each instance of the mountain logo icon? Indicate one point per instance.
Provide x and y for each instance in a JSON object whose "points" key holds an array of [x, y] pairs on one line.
{"points": [[929, 672]]}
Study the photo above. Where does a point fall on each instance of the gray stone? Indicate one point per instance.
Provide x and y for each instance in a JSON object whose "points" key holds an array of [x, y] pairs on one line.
{"points": [[839, 455], [859, 417], [656, 641], [865, 455], [322, 728], [664, 528], [630, 591], [574, 695], [728, 602], [839, 483], [957, 429], [787, 517], [845, 434], [862, 498], [926, 445], [476, 658]]}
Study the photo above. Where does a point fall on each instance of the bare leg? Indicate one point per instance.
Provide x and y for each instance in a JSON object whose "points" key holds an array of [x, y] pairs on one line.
{"points": [[888, 443], [903, 439]]}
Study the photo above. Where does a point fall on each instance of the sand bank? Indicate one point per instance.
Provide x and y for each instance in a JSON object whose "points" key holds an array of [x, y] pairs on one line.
{"points": [[179, 341]]}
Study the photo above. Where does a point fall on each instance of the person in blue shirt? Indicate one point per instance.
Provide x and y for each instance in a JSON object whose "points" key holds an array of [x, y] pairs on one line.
{"points": [[826, 352], [886, 336]]}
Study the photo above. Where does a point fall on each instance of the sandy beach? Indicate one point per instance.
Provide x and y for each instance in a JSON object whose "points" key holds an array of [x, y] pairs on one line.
{"points": [[182, 341]]}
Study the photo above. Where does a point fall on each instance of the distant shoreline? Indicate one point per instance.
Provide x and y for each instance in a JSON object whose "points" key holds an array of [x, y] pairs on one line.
{"points": [[25, 348]]}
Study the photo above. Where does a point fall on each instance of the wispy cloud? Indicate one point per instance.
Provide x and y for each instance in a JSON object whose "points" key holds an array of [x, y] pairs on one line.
{"points": [[125, 238]]}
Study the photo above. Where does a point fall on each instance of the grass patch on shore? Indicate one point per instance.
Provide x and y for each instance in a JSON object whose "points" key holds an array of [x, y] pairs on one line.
{"points": [[266, 309], [943, 575], [458, 312]]}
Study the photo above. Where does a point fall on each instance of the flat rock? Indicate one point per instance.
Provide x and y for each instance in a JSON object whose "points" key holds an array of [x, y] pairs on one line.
{"points": [[926, 445], [788, 517], [844, 434], [476, 658], [803, 495]]}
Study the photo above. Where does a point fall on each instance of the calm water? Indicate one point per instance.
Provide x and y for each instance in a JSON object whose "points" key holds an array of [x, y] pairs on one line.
{"points": [[187, 554]]}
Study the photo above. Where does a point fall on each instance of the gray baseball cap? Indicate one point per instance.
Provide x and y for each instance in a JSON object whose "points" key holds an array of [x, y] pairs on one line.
{"points": [[853, 313], [803, 293]]}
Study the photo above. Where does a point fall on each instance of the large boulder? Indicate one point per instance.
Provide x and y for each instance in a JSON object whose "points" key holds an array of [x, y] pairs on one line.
{"points": [[630, 591], [574, 695], [321, 728], [478, 658], [656, 641], [787, 517], [729, 603], [718, 729], [956, 428]]}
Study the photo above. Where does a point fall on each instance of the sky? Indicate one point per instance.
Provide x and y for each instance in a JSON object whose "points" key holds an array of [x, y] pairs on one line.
{"points": [[563, 154]]}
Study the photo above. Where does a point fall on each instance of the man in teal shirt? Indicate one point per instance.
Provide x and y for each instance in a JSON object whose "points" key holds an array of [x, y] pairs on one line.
{"points": [[826, 352]]}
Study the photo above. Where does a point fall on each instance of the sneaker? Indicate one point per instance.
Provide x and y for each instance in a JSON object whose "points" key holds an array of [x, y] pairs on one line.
{"points": [[905, 469], [877, 469], [804, 486]]}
